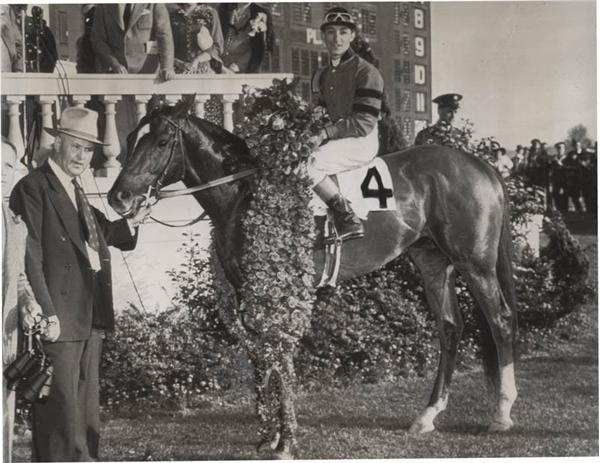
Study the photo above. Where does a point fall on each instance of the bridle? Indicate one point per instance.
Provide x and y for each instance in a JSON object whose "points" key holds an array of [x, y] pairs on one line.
{"points": [[155, 190]]}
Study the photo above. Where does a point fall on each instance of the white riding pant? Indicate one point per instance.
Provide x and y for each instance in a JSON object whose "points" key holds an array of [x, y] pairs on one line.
{"points": [[341, 155]]}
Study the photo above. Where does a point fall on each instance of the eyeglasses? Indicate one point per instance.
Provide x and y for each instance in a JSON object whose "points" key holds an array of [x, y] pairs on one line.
{"points": [[336, 16]]}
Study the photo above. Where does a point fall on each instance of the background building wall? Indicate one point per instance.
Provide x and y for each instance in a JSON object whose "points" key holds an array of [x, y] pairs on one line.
{"points": [[398, 32]]}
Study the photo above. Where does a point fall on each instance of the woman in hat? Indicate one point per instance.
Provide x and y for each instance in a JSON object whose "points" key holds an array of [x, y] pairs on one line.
{"points": [[197, 38]]}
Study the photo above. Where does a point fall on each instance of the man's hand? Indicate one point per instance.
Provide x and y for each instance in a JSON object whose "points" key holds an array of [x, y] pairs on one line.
{"points": [[317, 140], [30, 313], [166, 74], [52, 331], [120, 69], [140, 216]]}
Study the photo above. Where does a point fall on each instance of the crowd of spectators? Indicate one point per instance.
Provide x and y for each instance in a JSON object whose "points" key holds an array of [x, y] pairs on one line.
{"points": [[182, 38], [568, 175]]}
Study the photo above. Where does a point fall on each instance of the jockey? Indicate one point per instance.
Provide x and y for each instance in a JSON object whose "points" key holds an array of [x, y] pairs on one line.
{"points": [[351, 89]]}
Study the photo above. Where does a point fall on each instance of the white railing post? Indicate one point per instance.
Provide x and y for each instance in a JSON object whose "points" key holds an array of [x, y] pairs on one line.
{"points": [[199, 108], [111, 136], [79, 101], [15, 135], [46, 140], [228, 100], [172, 100], [141, 108]]}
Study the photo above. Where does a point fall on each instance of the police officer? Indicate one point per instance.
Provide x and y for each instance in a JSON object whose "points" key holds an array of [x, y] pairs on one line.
{"points": [[351, 90], [442, 132]]}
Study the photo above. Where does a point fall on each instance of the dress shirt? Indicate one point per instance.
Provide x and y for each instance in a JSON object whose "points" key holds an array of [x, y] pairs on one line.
{"points": [[67, 182]]}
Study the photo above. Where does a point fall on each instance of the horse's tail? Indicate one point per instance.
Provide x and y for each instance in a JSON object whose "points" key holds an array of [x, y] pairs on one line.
{"points": [[505, 274]]}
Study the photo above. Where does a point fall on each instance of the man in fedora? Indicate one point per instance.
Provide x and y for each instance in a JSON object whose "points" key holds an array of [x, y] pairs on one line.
{"points": [[68, 265], [442, 132]]}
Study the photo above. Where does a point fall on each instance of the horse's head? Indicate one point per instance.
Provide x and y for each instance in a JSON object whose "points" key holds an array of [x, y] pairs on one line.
{"points": [[156, 160]]}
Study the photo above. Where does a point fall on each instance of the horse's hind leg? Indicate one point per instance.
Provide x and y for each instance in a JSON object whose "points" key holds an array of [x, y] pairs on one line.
{"points": [[439, 282], [486, 290]]}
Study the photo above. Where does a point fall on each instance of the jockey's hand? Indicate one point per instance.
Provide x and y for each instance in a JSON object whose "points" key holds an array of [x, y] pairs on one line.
{"points": [[121, 70], [52, 330], [317, 140], [140, 216]]}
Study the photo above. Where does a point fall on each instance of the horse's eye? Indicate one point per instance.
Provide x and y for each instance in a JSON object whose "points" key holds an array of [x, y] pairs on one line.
{"points": [[163, 143]]}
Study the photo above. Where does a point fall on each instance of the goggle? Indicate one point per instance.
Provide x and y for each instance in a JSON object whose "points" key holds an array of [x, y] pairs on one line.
{"points": [[339, 17]]}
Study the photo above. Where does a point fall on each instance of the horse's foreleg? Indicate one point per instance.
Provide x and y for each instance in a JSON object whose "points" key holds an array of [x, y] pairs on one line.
{"points": [[487, 292], [275, 407], [439, 281], [287, 444]]}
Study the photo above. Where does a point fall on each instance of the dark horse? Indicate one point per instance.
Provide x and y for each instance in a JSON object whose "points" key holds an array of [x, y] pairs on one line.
{"points": [[452, 216]]}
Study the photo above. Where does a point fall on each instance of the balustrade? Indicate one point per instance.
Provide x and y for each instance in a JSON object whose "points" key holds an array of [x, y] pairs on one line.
{"points": [[112, 90]]}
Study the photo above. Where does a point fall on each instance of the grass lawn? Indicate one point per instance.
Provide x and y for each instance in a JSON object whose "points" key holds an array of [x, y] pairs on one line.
{"points": [[556, 413]]}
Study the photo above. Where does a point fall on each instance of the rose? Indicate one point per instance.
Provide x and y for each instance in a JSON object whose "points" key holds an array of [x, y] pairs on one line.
{"points": [[277, 123]]}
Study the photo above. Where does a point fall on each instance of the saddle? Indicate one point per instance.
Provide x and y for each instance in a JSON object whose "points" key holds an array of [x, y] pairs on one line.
{"points": [[368, 188]]}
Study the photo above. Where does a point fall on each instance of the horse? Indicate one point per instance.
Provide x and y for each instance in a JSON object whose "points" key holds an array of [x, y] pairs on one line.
{"points": [[452, 216]]}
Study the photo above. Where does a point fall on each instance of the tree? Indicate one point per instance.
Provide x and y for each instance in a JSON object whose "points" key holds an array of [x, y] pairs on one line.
{"points": [[578, 134]]}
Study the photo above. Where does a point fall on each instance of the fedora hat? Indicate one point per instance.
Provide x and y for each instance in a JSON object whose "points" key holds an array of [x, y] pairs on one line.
{"points": [[78, 123]]}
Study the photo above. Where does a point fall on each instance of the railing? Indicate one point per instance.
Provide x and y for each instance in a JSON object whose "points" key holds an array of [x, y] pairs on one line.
{"points": [[155, 253], [111, 88]]}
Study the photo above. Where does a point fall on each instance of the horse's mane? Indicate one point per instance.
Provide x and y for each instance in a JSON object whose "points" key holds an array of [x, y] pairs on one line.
{"points": [[232, 148]]}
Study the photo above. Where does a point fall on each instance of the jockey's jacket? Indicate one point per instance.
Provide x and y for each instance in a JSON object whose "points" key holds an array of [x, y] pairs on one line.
{"points": [[351, 92]]}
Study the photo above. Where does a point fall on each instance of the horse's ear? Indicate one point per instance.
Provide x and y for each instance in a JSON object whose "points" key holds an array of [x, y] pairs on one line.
{"points": [[184, 106]]}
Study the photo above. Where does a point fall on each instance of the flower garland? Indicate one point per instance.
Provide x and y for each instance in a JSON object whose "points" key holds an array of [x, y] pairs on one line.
{"points": [[277, 265]]}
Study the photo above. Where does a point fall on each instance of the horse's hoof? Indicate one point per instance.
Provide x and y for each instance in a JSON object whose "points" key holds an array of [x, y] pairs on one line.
{"points": [[283, 455], [418, 427], [268, 445], [500, 426]]}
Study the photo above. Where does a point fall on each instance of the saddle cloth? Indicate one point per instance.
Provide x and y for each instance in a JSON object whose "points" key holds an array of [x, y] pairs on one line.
{"points": [[368, 188]]}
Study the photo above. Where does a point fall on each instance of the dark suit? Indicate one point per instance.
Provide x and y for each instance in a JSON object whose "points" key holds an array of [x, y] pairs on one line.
{"points": [[66, 426], [115, 43]]}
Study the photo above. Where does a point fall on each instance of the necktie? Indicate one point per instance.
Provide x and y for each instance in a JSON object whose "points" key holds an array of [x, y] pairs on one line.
{"points": [[127, 14], [86, 216]]}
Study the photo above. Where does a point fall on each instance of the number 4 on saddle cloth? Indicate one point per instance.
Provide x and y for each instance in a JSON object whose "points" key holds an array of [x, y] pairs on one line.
{"points": [[368, 188]]}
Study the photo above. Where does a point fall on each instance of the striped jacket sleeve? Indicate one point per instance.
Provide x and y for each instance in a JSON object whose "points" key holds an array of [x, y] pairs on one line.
{"points": [[366, 105]]}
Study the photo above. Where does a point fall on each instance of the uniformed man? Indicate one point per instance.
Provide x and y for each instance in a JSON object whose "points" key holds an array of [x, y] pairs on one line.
{"points": [[351, 89], [442, 132]]}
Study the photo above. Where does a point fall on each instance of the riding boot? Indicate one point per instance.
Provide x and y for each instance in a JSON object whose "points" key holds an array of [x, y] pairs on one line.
{"points": [[347, 223]]}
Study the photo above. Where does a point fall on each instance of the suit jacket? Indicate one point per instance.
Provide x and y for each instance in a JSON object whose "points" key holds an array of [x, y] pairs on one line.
{"points": [[115, 44], [57, 262]]}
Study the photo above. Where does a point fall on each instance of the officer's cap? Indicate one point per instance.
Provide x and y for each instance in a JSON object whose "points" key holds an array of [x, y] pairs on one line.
{"points": [[338, 16], [536, 140], [556, 145], [448, 100]]}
